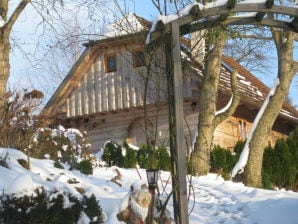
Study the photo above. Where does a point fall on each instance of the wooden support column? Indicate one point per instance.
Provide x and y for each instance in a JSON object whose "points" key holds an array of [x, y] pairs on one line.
{"points": [[177, 144]]}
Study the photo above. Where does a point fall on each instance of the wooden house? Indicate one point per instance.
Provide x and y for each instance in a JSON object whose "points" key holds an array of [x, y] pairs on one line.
{"points": [[104, 91]]}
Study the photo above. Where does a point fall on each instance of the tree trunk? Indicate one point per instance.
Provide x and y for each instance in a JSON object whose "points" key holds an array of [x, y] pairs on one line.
{"points": [[287, 69], [5, 46], [207, 107], [4, 63]]}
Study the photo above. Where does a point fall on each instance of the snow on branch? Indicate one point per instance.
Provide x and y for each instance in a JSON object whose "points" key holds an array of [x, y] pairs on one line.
{"points": [[231, 106], [222, 110], [2, 22], [239, 167]]}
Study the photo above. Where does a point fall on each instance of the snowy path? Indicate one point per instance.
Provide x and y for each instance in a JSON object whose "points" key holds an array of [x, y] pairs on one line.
{"points": [[213, 206]]}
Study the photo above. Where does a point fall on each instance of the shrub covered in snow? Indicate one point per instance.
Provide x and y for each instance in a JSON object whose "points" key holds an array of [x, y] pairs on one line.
{"points": [[48, 207], [130, 157], [85, 167], [112, 154], [17, 122], [59, 144]]}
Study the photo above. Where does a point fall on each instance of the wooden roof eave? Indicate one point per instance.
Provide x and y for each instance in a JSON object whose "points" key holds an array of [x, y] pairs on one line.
{"points": [[60, 93]]}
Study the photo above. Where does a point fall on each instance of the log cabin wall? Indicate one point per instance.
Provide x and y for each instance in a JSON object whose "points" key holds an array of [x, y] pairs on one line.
{"points": [[101, 91], [128, 125]]}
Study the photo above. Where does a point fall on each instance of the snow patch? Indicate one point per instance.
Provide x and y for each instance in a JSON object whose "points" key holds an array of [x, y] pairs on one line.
{"points": [[225, 108], [21, 184], [239, 167]]}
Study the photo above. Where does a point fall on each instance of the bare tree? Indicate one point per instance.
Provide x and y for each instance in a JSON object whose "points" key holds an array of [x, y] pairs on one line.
{"points": [[208, 118], [256, 143]]}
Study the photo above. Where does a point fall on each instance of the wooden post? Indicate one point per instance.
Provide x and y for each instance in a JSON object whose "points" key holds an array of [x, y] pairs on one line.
{"points": [[175, 100]]}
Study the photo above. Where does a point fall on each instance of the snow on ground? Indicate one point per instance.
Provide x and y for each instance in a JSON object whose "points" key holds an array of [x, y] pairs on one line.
{"points": [[212, 200]]}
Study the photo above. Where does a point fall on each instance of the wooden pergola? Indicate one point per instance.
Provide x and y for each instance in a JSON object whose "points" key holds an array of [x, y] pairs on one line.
{"points": [[193, 18]]}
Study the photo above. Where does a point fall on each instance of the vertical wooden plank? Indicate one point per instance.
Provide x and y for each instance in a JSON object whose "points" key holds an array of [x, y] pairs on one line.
{"points": [[72, 104], [96, 84], [67, 108], [175, 92], [79, 91], [90, 90], [100, 80], [76, 101], [83, 96], [112, 89], [104, 91], [125, 86]]}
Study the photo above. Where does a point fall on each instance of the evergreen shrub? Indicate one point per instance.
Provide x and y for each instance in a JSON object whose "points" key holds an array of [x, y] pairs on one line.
{"points": [[130, 158], [112, 154], [143, 157], [221, 159], [44, 207], [163, 158], [24, 163], [58, 165], [93, 210], [85, 167]]}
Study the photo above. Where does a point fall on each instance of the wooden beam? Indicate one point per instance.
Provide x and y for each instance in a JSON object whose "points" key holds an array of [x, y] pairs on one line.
{"points": [[187, 20], [177, 145]]}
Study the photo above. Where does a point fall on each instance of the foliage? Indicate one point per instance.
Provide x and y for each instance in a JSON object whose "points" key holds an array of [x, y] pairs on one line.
{"points": [[64, 145], [85, 167], [58, 165], [24, 163], [130, 158], [267, 169], [280, 165], [238, 149], [292, 142], [112, 154], [17, 123], [222, 161], [93, 210], [41, 207], [163, 158], [48, 207], [3, 161], [143, 157]]}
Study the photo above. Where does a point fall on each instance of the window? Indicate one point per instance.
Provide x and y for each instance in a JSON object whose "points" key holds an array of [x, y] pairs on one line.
{"points": [[138, 59], [242, 130], [111, 63]]}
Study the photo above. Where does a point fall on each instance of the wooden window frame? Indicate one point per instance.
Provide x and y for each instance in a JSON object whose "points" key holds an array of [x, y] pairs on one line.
{"points": [[242, 135], [107, 68], [136, 61]]}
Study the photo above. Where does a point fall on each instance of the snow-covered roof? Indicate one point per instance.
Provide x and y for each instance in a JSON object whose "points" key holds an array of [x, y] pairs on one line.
{"points": [[129, 24]]}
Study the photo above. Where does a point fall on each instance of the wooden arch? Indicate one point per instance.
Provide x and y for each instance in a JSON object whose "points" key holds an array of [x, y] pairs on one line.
{"points": [[193, 18], [196, 17]]}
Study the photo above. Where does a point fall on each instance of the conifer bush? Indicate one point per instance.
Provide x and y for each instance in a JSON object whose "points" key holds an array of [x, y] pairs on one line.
{"points": [[85, 167], [44, 207], [292, 142], [287, 171], [93, 210], [143, 157], [24, 163], [58, 165], [130, 158], [221, 159], [267, 169], [112, 154], [163, 158]]}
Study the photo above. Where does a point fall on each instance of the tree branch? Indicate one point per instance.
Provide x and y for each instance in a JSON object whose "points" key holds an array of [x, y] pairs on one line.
{"points": [[235, 101], [296, 66], [16, 14]]}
